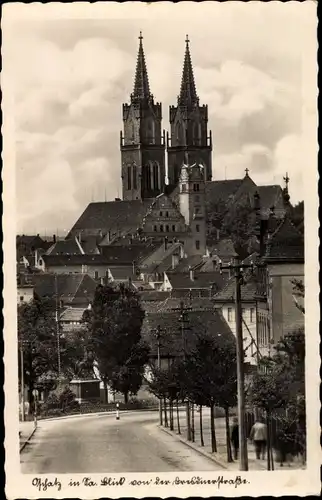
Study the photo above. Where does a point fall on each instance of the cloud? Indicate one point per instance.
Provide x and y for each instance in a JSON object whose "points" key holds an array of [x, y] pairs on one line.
{"points": [[72, 76]]}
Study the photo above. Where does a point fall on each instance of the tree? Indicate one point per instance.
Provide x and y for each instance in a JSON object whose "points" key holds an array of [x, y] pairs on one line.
{"points": [[280, 383], [298, 294], [114, 324], [297, 216], [211, 379], [239, 223], [37, 337]]}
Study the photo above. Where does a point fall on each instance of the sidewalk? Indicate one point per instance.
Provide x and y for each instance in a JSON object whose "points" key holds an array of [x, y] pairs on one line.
{"points": [[220, 456], [26, 431]]}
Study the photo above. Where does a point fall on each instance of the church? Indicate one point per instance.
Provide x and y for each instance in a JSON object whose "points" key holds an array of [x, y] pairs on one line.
{"points": [[170, 204]]}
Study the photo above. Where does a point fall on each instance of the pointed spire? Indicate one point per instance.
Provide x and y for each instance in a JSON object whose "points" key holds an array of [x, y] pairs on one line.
{"points": [[141, 82], [188, 95]]}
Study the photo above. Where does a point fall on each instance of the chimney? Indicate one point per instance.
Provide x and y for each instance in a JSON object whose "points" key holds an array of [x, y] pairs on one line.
{"points": [[130, 281], [191, 273], [165, 243], [54, 238]]}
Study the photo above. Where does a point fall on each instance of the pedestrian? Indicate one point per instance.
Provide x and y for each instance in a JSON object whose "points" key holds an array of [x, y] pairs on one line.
{"points": [[258, 435], [234, 437]]}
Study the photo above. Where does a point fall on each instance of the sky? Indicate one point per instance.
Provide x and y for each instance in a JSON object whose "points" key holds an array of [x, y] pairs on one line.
{"points": [[71, 73]]}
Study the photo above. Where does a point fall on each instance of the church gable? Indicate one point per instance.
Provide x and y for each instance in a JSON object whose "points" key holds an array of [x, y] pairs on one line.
{"points": [[163, 216]]}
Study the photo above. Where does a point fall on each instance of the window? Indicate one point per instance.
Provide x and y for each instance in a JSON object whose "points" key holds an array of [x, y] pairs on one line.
{"points": [[196, 187], [167, 229], [96, 275], [197, 210], [197, 244], [174, 228], [230, 314], [135, 183], [155, 228], [156, 175], [161, 214], [197, 228], [184, 188], [161, 228], [129, 184], [167, 214], [252, 315], [22, 298]]}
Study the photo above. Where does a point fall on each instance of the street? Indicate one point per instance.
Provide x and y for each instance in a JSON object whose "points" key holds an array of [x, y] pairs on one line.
{"points": [[100, 443]]}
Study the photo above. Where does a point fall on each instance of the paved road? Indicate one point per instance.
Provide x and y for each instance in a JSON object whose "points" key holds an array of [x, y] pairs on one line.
{"points": [[101, 443]]}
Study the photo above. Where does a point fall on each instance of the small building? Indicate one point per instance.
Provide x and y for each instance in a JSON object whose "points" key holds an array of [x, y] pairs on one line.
{"points": [[198, 283]]}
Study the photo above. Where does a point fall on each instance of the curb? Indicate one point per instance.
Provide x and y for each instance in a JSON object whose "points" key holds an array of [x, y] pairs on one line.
{"points": [[28, 439], [94, 414], [195, 448]]}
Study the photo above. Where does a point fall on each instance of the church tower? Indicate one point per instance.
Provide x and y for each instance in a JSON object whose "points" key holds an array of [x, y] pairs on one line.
{"points": [[142, 142], [192, 206], [188, 127]]}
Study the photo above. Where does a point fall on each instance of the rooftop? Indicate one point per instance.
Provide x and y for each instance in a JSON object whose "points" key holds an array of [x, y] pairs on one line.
{"points": [[198, 322], [200, 280]]}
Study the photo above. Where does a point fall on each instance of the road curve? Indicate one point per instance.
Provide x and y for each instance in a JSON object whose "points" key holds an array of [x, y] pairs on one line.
{"points": [[101, 443]]}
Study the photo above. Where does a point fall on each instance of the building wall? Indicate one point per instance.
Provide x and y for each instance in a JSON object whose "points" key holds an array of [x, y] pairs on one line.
{"points": [[285, 316], [249, 327]]}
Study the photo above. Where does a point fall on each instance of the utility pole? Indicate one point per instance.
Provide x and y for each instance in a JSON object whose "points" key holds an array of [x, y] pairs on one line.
{"points": [[237, 267], [183, 320], [57, 330], [22, 383], [158, 337]]}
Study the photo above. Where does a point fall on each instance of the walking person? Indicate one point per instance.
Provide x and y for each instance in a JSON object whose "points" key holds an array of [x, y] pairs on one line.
{"points": [[234, 437], [258, 435]]}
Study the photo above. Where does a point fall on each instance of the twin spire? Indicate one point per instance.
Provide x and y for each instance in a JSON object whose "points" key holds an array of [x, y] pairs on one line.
{"points": [[188, 95], [141, 83]]}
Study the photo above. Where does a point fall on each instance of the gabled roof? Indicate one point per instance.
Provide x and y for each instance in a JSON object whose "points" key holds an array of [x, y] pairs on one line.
{"points": [[118, 215], [29, 240], [270, 196], [89, 244], [130, 253], [201, 280], [285, 244], [123, 273], [66, 286], [153, 295], [65, 247], [208, 322], [217, 191], [227, 294], [77, 260], [193, 262]]}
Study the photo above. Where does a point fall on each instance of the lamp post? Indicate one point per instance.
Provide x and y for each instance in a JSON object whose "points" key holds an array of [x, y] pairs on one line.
{"points": [[57, 331]]}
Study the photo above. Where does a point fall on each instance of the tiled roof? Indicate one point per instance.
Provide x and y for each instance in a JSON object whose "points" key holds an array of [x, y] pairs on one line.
{"points": [[65, 247], [194, 262], [221, 190], [123, 273], [67, 285], [201, 280], [153, 295], [129, 253], [72, 314], [113, 214], [199, 322], [227, 294], [270, 196], [89, 244], [113, 257], [196, 303], [29, 240], [286, 243]]}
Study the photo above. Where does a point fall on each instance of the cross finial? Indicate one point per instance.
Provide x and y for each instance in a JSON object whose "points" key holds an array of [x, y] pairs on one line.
{"points": [[286, 179], [140, 37], [187, 39], [246, 170]]}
